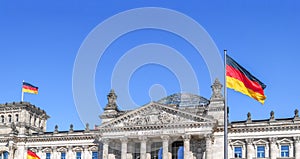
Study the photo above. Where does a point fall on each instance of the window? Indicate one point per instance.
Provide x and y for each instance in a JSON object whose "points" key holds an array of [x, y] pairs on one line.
{"points": [[17, 117], [94, 155], [78, 155], [260, 151], [155, 147], [238, 152], [62, 155], [48, 155], [2, 118], [9, 118], [284, 151], [5, 155]]}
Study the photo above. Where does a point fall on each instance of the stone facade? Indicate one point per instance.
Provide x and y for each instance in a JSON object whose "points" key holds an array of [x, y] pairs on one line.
{"points": [[180, 126]]}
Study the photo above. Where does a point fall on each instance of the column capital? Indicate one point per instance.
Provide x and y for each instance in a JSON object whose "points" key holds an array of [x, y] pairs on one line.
{"points": [[104, 140], [296, 139], [54, 148], [272, 140], [85, 147], [143, 138], [165, 137], [249, 141], [124, 139], [69, 148], [186, 136]]}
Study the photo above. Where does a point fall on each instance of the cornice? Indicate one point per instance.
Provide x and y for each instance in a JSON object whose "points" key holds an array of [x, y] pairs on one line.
{"points": [[156, 127], [260, 128]]}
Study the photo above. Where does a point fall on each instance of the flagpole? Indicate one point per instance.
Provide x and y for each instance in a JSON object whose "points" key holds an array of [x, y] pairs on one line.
{"points": [[225, 111], [22, 96]]}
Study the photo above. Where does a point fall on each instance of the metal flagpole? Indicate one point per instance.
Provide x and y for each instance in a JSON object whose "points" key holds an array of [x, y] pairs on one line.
{"points": [[22, 97], [225, 111]]}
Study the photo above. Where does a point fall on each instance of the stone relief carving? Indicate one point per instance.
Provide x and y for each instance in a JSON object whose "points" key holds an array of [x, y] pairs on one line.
{"points": [[154, 116]]}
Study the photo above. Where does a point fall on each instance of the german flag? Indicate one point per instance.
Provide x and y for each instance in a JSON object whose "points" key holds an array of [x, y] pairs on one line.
{"points": [[239, 79], [28, 88], [32, 155]]}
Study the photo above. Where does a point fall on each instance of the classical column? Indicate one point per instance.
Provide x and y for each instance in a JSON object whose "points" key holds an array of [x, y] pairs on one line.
{"points": [[55, 154], [39, 152], [21, 150], [297, 147], [165, 146], [86, 154], [273, 148], [69, 153], [143, 140], [186, 145], [124, 141], [250, 149], [130, 152], [208, 153], [105, 143], [148, 155]]}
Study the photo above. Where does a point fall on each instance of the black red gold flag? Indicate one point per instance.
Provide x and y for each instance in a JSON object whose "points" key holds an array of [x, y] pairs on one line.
{"points": [[28, 88], [239, 79], [32, 155]]}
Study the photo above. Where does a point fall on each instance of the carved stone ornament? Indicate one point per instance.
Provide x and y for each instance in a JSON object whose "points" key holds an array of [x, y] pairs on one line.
{"points": [[111, 99], [154, 116], [217, 90]]}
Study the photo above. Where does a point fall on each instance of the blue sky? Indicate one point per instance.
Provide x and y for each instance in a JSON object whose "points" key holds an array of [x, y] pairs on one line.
{"points": [[40, 42]]}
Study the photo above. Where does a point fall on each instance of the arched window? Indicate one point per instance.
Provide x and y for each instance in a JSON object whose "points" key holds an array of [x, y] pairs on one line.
{"points": [[9, 118], [30, 117], [17, 117], [2, 118]]}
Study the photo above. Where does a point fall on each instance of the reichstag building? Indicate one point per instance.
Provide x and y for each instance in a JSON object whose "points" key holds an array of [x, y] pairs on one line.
{"points": [[178, 126]]}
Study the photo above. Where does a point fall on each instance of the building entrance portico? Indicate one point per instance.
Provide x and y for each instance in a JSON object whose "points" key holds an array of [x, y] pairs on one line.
{"points": [[162, 129], [165, 147]]}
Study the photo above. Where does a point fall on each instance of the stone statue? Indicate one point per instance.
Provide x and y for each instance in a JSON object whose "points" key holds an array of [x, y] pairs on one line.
{"points": [[272, 116], [296, 113], [14, 128], [249, 116], [87, 127], [216, 89], [111, 98]]}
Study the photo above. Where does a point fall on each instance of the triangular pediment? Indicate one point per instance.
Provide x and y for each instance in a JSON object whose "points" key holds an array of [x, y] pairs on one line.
{"points": [[156, 115]]}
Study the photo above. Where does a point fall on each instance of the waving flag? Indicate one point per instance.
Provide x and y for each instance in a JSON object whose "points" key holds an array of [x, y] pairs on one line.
{"points": [[239, 79], [28, 88], [32, 155]]}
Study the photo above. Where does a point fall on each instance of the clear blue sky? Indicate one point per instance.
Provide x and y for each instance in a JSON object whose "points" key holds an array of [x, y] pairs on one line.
{"points": [[39, 42]]}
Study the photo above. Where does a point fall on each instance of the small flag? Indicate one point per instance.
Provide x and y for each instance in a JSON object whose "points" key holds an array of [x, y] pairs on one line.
{"points": [[239, 79], [32, 155], [28, 88]]}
